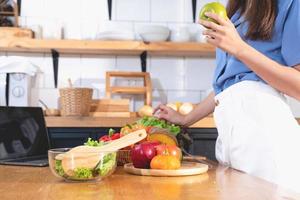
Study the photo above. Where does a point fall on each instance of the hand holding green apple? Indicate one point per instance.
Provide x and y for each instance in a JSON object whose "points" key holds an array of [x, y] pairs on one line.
{"points": [[220, 32], [213, 7]]}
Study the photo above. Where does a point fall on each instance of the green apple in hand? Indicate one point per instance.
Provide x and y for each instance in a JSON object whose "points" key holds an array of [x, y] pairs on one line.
{"points": [[214, 7]]}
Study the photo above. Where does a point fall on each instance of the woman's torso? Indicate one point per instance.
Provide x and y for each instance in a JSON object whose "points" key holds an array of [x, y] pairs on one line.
{"points": [[230, 70]]}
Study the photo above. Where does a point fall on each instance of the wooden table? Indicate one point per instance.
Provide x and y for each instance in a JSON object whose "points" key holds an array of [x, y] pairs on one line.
{"points": [[18, 183]]}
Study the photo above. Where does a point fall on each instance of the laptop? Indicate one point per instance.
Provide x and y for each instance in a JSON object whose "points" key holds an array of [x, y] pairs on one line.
{"points": [[23, 136]]}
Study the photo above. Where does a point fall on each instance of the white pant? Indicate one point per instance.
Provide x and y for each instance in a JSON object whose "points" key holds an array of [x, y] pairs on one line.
{"points": [[258, 133]]}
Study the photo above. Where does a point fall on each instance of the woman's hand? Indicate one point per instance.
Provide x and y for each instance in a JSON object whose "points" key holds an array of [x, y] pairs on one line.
{"points": [[222, 35], [167, 113]]}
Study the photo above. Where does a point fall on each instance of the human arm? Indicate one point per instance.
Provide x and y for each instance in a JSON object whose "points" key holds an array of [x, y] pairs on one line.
{"points": [[224, 36], [201, 110]]}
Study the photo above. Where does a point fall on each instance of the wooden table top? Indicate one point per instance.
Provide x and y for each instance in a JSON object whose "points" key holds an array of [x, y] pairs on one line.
{"points": [[220, 183]]}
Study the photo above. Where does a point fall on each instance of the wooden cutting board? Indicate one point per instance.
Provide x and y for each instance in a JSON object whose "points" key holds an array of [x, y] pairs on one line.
{"points": [[8, 32], [187, 169]]}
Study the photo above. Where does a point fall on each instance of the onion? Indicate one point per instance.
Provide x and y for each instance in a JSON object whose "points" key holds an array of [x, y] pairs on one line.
{"points": [[173, 106], [145, 111], [186, 108], [178, 104]]}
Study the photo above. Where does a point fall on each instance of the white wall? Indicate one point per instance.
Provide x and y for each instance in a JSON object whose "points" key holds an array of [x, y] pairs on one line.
{"points": [[174, 79]]}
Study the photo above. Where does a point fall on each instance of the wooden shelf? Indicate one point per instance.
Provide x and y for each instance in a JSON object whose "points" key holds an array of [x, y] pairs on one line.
{"points": [[106, 47], [129, 90]]}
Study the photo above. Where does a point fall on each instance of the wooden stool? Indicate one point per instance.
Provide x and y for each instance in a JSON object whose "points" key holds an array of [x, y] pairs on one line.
{"points": [[146, 89]]}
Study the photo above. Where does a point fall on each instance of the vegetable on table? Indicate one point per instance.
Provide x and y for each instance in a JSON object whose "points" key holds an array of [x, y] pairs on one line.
{"points": [[141, 154], [163, 138], [112, 135], [83, 173], [106, 164], [145, 111], [171, 150], [159, 123], [165, 162], [58, 168], [103, 168], [93, 143]]}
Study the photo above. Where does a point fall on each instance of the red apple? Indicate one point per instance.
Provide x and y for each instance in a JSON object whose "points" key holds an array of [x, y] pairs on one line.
{"points": [[142, 154]]}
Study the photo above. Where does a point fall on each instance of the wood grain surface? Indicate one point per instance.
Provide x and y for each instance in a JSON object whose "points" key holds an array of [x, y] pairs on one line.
{"points": [[186, 169], [107, 47], [220, 183]]}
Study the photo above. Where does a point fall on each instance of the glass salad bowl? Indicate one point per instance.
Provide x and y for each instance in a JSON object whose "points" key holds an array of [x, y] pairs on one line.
{"points": [[87, 166]]}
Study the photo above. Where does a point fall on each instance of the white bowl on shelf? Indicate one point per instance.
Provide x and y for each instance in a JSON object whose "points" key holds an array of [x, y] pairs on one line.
{"points": [[180, 34], [154, 33]]}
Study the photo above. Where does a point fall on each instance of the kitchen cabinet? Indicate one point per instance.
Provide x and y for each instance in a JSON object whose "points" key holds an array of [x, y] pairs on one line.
{"points": [[71, 137], [203, 138], [204, 142]]}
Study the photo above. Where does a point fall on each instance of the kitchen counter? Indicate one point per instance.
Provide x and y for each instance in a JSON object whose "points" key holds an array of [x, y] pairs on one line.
{"points": [[112, 122], [73, 122], [219, 183]]}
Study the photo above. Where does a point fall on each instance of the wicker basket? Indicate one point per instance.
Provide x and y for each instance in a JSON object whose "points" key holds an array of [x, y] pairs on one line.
{"points": [[123, 157], [75, 101]]}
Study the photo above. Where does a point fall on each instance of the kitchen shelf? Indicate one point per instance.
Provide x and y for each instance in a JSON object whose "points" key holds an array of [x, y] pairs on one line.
{"points": [[106, 47]]}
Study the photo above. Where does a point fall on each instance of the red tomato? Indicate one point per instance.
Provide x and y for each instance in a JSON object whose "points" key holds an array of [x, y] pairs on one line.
{"points": [[115, 136], [105, 138], [171, 150]]}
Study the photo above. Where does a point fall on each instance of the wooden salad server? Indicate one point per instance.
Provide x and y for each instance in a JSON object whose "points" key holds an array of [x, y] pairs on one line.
{"points": [[88, 157]]}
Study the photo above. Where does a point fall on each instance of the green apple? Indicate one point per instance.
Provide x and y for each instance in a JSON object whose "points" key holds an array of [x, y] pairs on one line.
{"points": [[214, 7]]}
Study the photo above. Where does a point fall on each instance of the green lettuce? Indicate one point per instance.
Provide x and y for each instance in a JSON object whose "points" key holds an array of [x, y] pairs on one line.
{"points": [[83, 173], [103, 167], [159, 123], [93, 143], [58, 168], [106, 164]]}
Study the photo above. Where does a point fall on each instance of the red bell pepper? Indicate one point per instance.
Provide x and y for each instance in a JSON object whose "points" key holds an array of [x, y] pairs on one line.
{"points": [[115, 136]]}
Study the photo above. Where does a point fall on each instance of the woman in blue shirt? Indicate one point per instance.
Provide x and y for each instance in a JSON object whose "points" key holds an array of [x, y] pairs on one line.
{"points": [[258, 60]]}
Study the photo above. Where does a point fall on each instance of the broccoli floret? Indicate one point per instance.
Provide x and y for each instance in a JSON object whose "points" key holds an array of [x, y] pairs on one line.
{"points": [[58, 168], [83, 173]]}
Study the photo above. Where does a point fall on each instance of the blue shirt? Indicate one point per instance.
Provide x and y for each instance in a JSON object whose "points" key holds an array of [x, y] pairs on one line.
{"points": [[283, 47]]}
